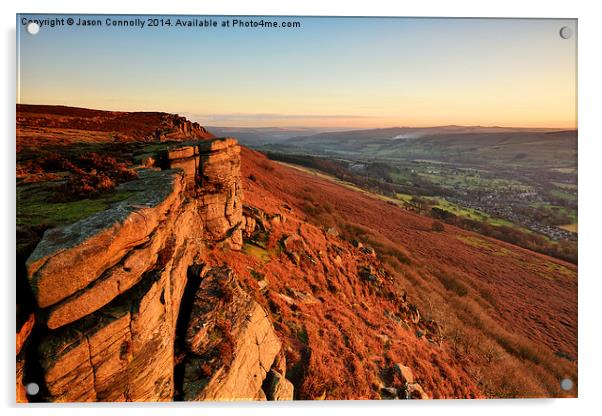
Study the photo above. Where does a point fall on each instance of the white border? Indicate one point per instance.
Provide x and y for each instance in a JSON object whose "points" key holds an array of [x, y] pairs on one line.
{"points": [[590, 139]]}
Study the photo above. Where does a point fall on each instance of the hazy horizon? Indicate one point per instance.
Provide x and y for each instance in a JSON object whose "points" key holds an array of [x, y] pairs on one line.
{"points": [[331, 73], [311, 127]]}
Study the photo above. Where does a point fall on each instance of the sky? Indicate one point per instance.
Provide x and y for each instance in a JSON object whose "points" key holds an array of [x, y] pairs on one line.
{"points": [[329, 72]]}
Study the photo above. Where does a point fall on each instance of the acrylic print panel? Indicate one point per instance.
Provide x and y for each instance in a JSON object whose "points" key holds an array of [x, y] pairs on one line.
{"points": [[217, 208]]}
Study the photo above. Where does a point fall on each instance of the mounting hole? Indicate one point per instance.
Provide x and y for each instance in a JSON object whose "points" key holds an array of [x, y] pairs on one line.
{"points": [[566, 384], [32, 389], [566, 32], [33, 28]]}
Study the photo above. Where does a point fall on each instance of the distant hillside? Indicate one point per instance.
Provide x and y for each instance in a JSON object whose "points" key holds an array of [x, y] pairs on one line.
{"points": [[257, 136], [458, 144]]}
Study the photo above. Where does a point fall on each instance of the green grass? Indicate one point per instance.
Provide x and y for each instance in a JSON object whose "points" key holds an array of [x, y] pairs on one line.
{"points": [[481, 243], [401, 178], [431, 161], [460, 211], [475, 241], [572, 213], [469, 179], [35, 206], [455, 209], [563, 194], [561, 185], [559, 269], [549, 270], [554, 271], [255, 251], [470, 213], [404, 197]]}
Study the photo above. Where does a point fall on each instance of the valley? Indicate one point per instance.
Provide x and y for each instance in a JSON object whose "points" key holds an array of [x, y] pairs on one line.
{"points": [[522, 182]]}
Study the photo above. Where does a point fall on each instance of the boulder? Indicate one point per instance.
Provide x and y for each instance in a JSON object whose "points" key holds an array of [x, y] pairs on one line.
{"points": [[181, 153], [212, 169], [249, 225], [230, 342], [109, 289], [367, 272], [293, 246], [404, 373], [25, 323], [332, 232]]}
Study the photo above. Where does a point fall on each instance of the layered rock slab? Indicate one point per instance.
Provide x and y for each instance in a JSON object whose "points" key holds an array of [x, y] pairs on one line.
{"points": [[123, 352], [69, 258], [213, 168]]}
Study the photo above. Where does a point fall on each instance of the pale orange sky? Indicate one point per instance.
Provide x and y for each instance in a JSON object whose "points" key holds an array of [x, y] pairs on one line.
{"points": [[331, 72]]}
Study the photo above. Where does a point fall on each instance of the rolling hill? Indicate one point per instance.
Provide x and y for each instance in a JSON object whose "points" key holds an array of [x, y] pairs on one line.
{"points": [[498, 146]]}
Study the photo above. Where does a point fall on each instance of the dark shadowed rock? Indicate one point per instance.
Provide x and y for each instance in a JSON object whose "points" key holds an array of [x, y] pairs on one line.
{"points": [[277, 387], [388, 393]]}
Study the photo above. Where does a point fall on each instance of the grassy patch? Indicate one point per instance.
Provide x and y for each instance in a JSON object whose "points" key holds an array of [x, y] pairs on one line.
{"points": [[556, 209], [548, 270], [35, 207], [477, 242], [470, 213], [404, 197], [470, 179], [554, 270], [564, 170], [474, 241], [259, 253], [562, 194], [562, 185]]}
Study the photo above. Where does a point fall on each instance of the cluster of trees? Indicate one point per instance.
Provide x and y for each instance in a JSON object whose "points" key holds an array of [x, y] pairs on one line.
{"points": [[545, 215]]}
